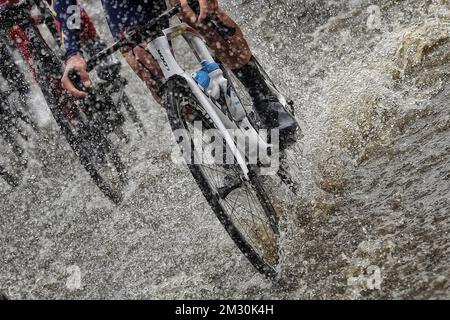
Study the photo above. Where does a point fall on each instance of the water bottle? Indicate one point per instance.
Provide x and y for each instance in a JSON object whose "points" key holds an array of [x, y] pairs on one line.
{"points": [[210, 78]]}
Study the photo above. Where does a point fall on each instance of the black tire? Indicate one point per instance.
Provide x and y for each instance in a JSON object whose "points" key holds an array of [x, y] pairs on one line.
{"points": [[176, 91], [85, 138], [132, 113], [95, 152], [113, 187], [3, 296], [9, 70]]}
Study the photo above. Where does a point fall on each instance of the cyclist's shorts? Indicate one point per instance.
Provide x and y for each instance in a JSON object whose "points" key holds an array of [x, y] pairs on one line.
{"points": [[123, 15]]}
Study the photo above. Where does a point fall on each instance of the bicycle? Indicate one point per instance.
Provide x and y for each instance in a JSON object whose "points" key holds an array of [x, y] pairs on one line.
{"points": [[16, 87], [14, 117], [111, 83], [233, 189], [80, 121], [3, 296]]}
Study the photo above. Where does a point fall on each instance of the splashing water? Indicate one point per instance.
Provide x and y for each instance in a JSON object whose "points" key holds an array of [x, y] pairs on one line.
{"points": [[370, 82]]}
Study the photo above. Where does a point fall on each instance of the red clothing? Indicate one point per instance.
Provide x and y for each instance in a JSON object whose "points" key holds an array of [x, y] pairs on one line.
{"points": [[8, 2]]}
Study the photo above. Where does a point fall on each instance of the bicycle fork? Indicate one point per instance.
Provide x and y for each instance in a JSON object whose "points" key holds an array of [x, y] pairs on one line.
{"points": [[161, 51]]}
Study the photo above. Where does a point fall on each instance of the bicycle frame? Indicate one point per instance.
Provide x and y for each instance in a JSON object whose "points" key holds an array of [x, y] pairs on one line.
{"points": [[161, 50]]}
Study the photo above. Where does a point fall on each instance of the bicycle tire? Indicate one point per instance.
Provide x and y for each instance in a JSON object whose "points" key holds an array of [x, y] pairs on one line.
{"points": [[13, 172], [132, 113], [115, 194], [49, 67], [18, 86], [175, 89]]}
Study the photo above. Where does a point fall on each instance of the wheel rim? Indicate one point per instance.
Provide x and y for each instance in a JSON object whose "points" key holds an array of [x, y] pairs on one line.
{"points": [[12, 160], [101, 161]]}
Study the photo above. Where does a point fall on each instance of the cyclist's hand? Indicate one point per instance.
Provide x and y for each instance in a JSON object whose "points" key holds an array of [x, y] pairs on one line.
{"points": [[207, 7], [77, 63]]}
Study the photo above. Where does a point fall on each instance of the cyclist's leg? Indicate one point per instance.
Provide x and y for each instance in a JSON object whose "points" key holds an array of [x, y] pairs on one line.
{"points": [[233, 52], [146, 67]]}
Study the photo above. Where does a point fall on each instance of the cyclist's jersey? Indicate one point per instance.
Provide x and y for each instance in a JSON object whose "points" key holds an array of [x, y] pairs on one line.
{"points": [[121, 15]]}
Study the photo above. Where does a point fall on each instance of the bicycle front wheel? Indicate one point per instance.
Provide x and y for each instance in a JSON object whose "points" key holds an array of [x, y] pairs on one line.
{"points": [[243, 207]]}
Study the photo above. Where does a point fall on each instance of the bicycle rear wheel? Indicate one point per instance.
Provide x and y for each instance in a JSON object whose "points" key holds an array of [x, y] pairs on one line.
{"points": [[243, 207], [15, 87]]}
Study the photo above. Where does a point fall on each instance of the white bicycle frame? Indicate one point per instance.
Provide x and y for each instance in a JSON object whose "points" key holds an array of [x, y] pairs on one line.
{"points": [[161, 51]]}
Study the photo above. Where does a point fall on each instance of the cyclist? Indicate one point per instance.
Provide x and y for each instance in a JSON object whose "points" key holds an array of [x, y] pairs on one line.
{"points": [[15, 37], [2, 295], [233, 52]]}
